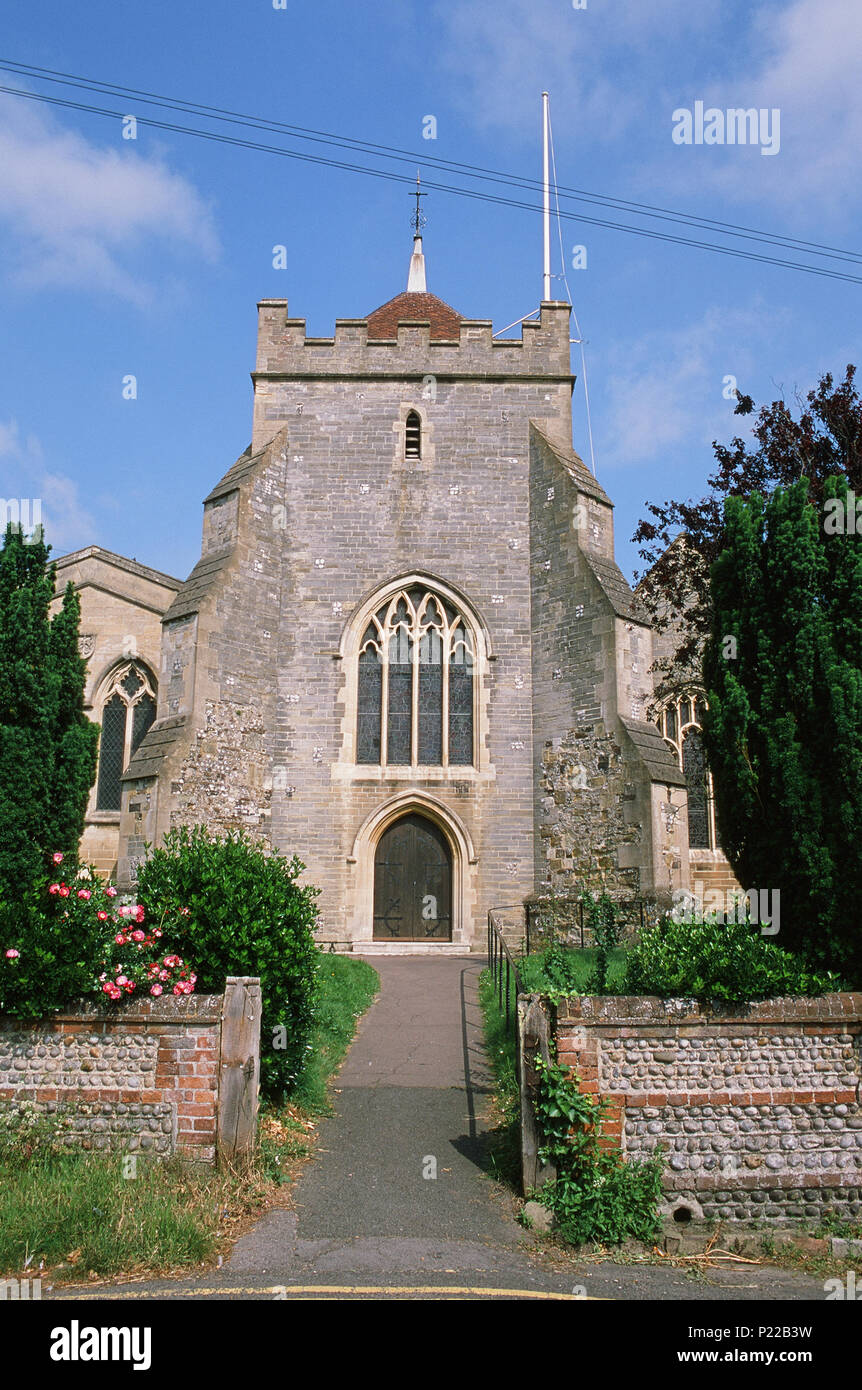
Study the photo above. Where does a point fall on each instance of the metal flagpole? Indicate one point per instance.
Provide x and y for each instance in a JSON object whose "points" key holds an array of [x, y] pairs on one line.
{"points": [[546, 292]]}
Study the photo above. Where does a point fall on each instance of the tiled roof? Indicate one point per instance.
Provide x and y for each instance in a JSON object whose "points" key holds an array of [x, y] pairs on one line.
{"points": [[238, 471], [574, 464], [615, 586], [154, 746], [445, 322], [660, 763], [198, 584]]}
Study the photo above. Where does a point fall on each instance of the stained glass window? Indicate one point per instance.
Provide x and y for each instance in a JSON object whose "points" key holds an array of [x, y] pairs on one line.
{"points": [[369, 701], [694, 767], [400, 721], [112, 749], [415, 691], [461, 699], [128, 711], [680, 719], [430, 697]]}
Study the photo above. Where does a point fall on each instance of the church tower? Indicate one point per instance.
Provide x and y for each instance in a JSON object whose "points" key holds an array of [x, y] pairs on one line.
{"points": [[407, 654]]}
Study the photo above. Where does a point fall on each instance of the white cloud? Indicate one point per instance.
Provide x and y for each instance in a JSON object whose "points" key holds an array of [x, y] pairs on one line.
{"points": [[617, 71], [79, 212], [666, 390], [810, 71], [801, 59], [40, 489], [592, 61]]}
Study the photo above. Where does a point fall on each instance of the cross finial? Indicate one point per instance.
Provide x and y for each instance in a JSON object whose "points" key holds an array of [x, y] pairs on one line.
{"points": [[418, 218]]}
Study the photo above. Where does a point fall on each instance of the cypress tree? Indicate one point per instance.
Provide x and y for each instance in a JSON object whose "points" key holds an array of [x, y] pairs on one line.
{"points": [[783, 731], [48, 747]]}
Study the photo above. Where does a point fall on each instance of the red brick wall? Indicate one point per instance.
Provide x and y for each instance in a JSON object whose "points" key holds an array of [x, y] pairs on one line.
{"points": [[144, 1081], [758, 1111]]}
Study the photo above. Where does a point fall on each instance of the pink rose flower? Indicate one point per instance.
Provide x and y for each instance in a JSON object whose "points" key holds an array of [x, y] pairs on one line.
{"points": [[122, 980], [84, 893], [139, 936], [110, 892], [120, 938], [57, 858], [102, 916], [12, 954], [156, 990], [54, 888], [164, 974], [139, 913], [63, 891]]}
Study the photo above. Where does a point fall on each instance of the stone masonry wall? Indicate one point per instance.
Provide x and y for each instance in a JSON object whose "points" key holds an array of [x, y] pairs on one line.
{"points": [[586, 789], [758, 1112], [224, 781], [144, 1081], [329, 511]]}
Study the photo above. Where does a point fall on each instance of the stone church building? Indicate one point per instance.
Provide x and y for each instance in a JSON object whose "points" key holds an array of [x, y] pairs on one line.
{"points": [[406, 653]]}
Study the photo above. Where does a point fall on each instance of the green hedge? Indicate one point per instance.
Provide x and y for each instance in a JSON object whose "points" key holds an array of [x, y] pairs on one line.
{"points": [[713, 961], [231, 908]]}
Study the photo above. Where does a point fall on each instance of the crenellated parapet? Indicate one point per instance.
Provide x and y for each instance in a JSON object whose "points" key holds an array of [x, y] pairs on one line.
{"points": [[284, 351]]}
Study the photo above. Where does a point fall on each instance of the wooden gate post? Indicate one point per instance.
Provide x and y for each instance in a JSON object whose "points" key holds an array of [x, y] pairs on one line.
{"points": [[533, 1038], [239, 1066]]}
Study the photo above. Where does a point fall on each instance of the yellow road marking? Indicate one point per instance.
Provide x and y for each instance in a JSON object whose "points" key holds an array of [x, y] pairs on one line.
{"points": [[283, 1292]]}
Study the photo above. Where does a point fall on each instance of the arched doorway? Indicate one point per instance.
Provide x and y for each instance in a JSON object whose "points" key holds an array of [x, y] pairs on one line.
{"points": [[412, 882]]}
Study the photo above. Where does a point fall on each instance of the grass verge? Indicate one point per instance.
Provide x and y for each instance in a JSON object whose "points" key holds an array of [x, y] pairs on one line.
{"points": [[580, 964], [78, 1216], [504, 1143], [347, 989]]}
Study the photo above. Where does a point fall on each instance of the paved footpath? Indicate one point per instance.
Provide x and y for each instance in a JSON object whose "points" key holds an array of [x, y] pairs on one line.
{"points": [[409, 1101]]}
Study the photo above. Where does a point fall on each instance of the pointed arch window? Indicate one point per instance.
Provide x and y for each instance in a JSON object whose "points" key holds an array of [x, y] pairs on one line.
{"points": [[128, 711], [413, 436], [416, 684], [680, 721]]}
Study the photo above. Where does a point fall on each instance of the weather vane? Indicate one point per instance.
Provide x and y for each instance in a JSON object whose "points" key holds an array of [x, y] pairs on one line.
{"points": [[418, 218]]}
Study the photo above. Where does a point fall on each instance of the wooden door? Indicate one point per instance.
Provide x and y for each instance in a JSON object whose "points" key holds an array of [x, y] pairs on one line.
{"points": [[412, 883]]}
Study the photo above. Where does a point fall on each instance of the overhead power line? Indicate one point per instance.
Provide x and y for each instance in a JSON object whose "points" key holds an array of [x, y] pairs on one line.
{"points": [[411, 156], [377, 151]]}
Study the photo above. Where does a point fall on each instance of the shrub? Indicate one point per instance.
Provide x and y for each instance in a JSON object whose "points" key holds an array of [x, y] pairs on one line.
{"points": [[597, 1195], [48, 746], [712, 960], [233, 909], [560, 968], [606, 928], [71, 936]]}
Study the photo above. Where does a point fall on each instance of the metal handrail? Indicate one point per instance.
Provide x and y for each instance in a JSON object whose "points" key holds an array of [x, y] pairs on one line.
{"points": [[532, 909], [505, 973]]}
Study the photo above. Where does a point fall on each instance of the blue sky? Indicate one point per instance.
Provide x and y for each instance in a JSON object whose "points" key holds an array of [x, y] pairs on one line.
{"points": [[147, 257]]}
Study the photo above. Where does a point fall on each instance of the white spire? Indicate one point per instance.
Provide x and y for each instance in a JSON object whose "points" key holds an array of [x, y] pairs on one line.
{"points": [[416, 278]]}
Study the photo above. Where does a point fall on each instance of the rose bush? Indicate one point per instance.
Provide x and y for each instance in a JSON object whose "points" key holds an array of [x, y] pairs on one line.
{"points": [[73, 937]]}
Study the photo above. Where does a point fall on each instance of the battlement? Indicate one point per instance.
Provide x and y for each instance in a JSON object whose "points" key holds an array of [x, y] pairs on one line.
{"points": [[285, 352]]}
